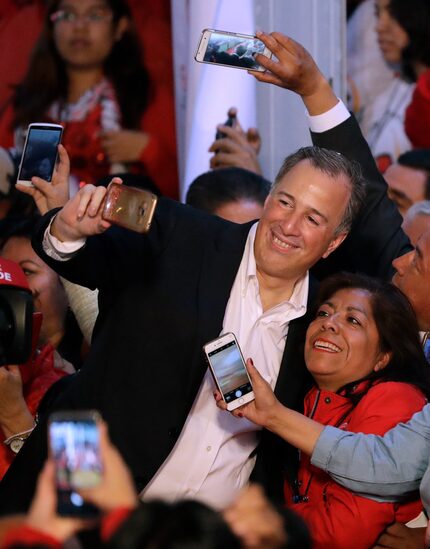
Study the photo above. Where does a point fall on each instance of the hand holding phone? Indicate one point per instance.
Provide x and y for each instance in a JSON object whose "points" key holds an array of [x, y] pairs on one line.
{"points": [[229, 122], [228, 370], [40, 152], [230, 49]]}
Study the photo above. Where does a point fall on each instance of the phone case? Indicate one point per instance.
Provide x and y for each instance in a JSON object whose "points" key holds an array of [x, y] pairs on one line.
{"points": [[129, 207]]}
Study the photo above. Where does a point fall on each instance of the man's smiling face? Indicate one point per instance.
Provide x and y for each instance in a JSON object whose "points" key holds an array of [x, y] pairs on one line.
{"points": [[299, 221]]}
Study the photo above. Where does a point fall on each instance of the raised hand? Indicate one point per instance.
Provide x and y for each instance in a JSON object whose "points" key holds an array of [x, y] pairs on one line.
{"points": [[54, 194], [294, 69]]}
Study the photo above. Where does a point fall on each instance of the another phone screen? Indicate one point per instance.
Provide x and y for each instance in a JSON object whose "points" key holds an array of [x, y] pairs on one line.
{"points": [[40, 153], [230, 371], [236, 51], [75, 449]]}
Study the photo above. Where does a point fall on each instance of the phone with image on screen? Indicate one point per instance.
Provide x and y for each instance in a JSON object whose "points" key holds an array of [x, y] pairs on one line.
{"points": [[75, 448], [229, 371], [40, 152], [230, 49]]}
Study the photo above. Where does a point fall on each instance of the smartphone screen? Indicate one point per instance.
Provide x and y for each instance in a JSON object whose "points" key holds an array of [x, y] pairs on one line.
{"points": [[229, 369], [233, 50], [40, 152], [75, 449]]}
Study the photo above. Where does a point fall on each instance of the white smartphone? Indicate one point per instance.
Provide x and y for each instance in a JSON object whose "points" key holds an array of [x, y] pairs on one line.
{"points": [[228, 370], [230, 49], [75, 447], [40, 152]]}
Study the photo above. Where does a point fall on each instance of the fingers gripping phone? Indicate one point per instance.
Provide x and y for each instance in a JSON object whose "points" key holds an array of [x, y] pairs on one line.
{"points": [[40, 152], [228, 370], [74, 446], [230, 49], [229, 122], [129, 207]]}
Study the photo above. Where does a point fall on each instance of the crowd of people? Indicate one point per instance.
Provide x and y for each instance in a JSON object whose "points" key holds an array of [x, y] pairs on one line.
{"points": [[321, 275]]}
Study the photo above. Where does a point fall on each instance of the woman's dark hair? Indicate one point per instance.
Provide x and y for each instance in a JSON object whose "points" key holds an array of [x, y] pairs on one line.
{"points": [[46, 79], [162, 525], [397, 328], [212, 189], [414, 17]]}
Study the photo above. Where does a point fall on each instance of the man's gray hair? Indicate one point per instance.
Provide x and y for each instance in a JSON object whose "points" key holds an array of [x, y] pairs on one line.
{"points": [[333, 164]]}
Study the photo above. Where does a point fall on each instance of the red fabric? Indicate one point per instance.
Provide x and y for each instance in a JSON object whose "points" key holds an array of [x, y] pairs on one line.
{"points": [[112, 521], [337, 517], [417, 116], [27, 536], [37, 375]]}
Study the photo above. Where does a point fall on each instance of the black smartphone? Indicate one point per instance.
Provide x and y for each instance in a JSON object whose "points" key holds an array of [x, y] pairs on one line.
{"points": [[229, 122], [229, 371], [230, 49], [75, 447], [40, 152]]}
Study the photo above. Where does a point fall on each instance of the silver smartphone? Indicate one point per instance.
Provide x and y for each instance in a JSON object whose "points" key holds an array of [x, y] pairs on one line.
{"points": [[75, 447], [230, 49], [228, 370], [40, 152]]}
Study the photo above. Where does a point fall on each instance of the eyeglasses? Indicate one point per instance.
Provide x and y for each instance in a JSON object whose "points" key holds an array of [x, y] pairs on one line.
{"points": [[71, 18]]}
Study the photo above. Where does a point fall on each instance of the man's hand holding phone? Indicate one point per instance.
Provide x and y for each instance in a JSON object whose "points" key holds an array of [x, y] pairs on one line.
{"points": [[294, 69], [81, 216]]}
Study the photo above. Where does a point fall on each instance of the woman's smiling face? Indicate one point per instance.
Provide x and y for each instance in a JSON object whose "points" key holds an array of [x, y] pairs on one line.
{"points": [[342, 343]]}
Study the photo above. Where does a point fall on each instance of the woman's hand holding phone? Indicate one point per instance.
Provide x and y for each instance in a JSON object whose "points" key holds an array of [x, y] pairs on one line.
{"points": [[54, 194], [263, 409]]}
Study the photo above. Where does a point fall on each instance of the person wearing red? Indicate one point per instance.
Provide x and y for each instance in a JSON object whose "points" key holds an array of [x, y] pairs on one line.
{"points": [[22, 387], [86, 73], [364, 353]]}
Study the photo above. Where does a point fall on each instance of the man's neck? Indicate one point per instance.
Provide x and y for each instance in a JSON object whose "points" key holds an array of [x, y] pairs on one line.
{"points": [[274, 290]]}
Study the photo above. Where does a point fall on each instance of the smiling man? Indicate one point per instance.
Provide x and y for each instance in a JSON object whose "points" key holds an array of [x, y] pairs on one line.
{"points": [[193, 276]]}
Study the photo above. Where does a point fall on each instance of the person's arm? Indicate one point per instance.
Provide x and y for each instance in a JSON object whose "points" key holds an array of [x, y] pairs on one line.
{"points": [[376, 237]]}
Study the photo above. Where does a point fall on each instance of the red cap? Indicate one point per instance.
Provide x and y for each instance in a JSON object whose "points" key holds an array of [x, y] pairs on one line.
{"points": [[11, 274]]}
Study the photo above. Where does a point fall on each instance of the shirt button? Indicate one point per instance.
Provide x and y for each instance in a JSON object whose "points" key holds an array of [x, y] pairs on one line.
{"points": [[327, 400], [208, 448]]}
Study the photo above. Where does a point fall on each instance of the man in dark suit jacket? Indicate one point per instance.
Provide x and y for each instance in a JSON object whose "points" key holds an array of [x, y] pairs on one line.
{"points": [[165, 294]]}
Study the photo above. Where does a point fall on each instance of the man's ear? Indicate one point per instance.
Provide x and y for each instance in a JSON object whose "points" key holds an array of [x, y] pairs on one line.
{"points": [[335, 243], [121, 27]]}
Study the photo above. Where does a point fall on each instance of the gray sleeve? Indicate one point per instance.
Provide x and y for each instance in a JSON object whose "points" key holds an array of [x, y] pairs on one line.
{"points": [[388, 466]]}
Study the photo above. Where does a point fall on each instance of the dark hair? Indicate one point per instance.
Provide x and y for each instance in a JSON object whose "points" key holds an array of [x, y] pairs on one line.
{"points": [[414, 17], [420, 160], [162, 525], [333, 164], [46, 79], [211, 190], [397, 329], [20, 226]]}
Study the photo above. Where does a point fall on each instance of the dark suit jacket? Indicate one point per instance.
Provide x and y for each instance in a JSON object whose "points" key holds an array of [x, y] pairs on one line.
{"points": [[162, 296]]}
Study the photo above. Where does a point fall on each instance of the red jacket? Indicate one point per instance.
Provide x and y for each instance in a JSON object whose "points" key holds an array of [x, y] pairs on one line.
{"points": [[417, 116], [337, 517]]}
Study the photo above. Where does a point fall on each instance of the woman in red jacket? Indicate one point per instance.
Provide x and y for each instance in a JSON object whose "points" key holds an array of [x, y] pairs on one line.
{"points": [[364, 353], [86, 73]]}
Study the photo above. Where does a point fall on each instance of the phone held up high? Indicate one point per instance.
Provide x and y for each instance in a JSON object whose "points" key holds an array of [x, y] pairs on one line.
{"points": [[230, 49], [228, 370], [74, 446], [40, 152]]}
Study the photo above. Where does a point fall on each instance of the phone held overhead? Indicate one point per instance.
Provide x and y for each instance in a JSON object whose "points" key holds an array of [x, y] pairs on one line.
{"points": [[230, 49], [40, 152], [229, 371], [74, 442]]}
